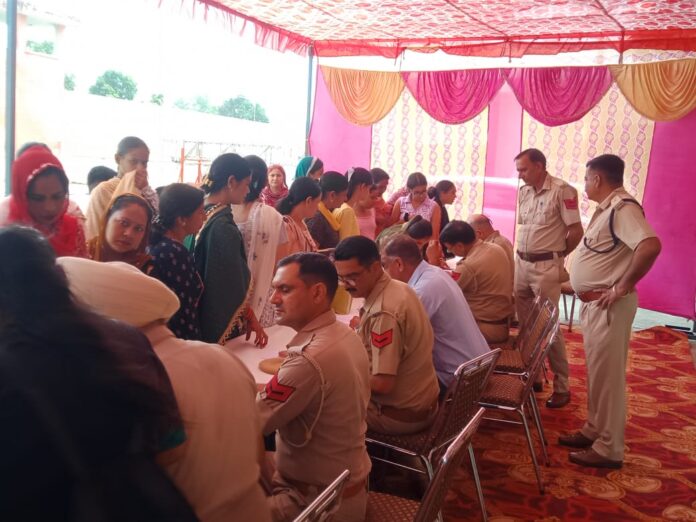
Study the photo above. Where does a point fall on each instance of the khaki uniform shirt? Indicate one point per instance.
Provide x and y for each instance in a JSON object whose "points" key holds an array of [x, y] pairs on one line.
{"points": [[505, 244], [595, 270], [216, 469], [486, 281], [543, 216], [396, 331], [316, 441]]}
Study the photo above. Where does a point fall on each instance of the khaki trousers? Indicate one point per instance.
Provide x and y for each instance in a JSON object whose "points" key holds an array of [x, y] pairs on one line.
{"points": [[543, 278], [383, 424], [287, 502], [494, 333], [606, 335]]}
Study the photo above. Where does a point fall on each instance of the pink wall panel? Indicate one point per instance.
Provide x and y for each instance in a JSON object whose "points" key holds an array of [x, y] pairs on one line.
{"points": [[670, 206], [338, 143], [504, 141]]}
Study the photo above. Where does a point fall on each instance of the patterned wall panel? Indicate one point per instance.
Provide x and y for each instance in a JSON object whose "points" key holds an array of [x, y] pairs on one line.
{"points": [[613, 127], [409, 140]]}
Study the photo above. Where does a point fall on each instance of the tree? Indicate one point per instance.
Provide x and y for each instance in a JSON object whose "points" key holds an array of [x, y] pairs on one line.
{"points": [[116, 85], [182, 104], [44, 47], [157, 99], [69, 82], [202, 104], [241, 107]]}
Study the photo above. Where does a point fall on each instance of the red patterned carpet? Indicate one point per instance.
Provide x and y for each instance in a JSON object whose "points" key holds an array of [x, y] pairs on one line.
{"points": [[658, 480]]}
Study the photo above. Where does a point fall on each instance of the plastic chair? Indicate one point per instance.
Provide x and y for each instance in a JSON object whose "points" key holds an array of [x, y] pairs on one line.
{"points": [[325, 505], [382, 507], [509, 393], [457, 409]]}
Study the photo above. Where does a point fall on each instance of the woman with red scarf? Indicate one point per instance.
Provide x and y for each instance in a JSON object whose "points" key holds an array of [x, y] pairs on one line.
{"points": [[39, 199]]}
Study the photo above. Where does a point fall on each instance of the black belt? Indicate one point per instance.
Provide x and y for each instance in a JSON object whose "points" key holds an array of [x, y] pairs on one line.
{"points": [[534, 258]]}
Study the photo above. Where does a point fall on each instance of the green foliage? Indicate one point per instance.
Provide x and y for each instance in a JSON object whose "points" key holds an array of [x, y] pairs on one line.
{"points": [[241, 107], [157, 99], [116, 85], [238, 107], [69, 82], [45, 47]]}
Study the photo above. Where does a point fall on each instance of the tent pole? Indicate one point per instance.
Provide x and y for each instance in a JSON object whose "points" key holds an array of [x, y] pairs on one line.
{"points": [[308, 124], [10, 90]]}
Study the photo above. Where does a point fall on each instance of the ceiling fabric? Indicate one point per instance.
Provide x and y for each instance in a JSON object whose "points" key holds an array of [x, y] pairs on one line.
{"points": [[489, 28]]}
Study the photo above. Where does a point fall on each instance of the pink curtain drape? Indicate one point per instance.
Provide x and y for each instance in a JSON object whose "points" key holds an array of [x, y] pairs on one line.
{"points": [[454, 97], [559, 95]]}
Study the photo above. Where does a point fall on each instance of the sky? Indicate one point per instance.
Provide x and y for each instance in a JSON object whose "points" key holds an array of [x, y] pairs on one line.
{"points": [[169, 49]]}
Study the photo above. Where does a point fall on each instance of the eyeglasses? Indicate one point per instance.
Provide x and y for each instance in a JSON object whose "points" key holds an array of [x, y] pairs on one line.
{"points": [[350, 279]]}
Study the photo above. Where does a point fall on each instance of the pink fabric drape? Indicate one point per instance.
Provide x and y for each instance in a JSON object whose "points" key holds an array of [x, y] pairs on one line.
{"points": [[669, 203], [454, 96], [338, 143], [559, 95]]}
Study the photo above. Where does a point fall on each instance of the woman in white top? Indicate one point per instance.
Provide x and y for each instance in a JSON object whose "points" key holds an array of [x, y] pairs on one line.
{"points": [[263, 232], [417, 203]]}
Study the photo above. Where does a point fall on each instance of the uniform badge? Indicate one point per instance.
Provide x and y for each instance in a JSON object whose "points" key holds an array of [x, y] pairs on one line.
{"points": [[571, 204], [383, 339], [278, 392]]}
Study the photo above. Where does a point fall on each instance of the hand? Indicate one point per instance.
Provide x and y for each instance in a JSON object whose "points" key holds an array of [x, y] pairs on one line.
{"points": [[253, 325], [354, 322], [433, 252], [611, 296], [141, 180]]}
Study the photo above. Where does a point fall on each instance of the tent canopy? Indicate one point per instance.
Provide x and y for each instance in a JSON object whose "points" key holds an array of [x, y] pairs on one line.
{"points": [[492, 28]]}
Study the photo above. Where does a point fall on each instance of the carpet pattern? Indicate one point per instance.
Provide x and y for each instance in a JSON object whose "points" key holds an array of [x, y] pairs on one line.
{"points": [[658, 480]]}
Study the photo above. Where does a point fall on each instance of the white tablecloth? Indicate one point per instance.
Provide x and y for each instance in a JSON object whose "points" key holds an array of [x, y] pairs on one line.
{"points": [[278, 338]]}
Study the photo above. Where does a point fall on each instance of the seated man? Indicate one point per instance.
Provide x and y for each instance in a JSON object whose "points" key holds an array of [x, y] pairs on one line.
{"points": [[483, 227], [318, 399], [457, 337], [485, 278], [216, 468], [396, 332]]}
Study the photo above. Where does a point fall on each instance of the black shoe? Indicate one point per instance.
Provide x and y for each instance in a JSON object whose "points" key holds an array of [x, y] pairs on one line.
{"points": [[558, 400], [575, 440]]}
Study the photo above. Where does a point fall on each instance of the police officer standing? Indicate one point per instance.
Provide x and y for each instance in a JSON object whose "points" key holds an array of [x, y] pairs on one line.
{"points": [[618, 249], [548, 229], [398, 337], [318, 399]]}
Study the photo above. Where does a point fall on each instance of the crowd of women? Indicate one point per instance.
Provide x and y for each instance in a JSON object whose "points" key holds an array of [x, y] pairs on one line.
{"points": [[215, 247]]}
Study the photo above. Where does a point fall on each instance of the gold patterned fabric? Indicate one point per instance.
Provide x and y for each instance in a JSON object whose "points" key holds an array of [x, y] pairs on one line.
{"points": [[661, 91]]}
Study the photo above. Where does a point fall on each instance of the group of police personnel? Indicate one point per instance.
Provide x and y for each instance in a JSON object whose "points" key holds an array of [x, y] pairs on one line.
{"points": [[338, 382]]}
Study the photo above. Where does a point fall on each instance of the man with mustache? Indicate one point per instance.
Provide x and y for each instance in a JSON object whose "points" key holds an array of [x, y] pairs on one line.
{"points": [[397, 334], [318, 399]]}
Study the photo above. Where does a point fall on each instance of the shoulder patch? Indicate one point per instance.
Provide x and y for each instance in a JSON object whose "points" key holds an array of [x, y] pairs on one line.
{"points": [[383, 339], [571, 204], [278, 392]]}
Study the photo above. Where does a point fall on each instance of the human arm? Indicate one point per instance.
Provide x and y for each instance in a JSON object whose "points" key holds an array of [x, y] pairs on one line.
{"points": [[396, 212], [643, 258], [573, 236], [436, 221], [253, 325]]}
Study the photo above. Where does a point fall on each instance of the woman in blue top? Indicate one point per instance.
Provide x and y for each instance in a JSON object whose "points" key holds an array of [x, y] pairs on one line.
{"points": [[181, 214]]}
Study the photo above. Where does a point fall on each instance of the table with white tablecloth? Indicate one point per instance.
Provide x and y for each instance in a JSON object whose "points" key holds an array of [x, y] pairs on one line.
{"points": [[278, 338]]}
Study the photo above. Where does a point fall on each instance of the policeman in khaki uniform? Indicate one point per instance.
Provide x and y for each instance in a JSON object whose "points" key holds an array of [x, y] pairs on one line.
{"points": [[485, 279], [618, 249], [483, 226], [318, 399], [397, 334], [548, 229]]}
